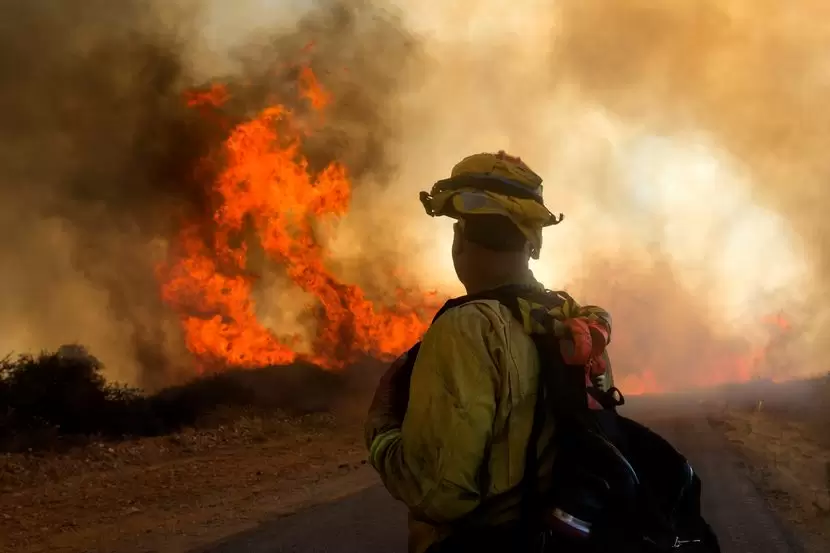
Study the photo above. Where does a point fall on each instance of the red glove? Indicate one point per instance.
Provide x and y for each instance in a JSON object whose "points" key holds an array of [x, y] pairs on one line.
{"points": [[584, 340]]}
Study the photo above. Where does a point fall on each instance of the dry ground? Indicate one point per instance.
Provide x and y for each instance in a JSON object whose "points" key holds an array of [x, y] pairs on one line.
{"points": [[173, 493], [786, 447]]}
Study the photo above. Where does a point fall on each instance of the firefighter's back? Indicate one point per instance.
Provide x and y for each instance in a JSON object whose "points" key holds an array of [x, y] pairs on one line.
{"points": [[507, 358]]}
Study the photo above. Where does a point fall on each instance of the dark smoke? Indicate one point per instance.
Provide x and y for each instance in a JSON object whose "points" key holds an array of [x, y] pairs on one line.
{"points": [[97, 142], [360, 52], [100, 156]]}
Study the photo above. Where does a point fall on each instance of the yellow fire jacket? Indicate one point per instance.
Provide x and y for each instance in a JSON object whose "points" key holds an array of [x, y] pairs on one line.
{"points": [[462, 443]]}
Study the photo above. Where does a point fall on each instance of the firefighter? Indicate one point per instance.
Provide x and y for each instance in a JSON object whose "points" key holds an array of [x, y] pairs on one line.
{"points": [[450, 422]]}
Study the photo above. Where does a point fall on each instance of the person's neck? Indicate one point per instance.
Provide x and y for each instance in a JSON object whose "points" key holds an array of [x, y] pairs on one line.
{"points": [[489, 281]]}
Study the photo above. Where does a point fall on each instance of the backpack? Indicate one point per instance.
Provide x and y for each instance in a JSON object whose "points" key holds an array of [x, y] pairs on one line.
{"points": [[615, 484]]}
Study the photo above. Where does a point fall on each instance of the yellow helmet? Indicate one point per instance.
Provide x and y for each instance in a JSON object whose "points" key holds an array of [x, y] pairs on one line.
{"points": [[493, 184]]}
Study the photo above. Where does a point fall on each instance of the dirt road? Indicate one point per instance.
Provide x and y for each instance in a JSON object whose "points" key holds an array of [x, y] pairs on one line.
{"points": [[370, 521]]}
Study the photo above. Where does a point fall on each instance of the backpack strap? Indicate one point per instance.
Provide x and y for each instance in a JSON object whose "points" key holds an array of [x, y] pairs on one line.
{"points": [[531, 494]]}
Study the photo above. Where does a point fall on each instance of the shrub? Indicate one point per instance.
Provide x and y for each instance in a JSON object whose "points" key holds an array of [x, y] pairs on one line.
{"points": [[57, 399], [63, 391]]}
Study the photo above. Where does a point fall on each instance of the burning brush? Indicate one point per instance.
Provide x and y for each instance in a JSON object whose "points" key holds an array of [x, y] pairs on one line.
{"points": [[266, 193]]}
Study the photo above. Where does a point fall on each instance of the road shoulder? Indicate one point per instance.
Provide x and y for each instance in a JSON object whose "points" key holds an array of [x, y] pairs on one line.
{"points": [[789, 461], [176, 493]]}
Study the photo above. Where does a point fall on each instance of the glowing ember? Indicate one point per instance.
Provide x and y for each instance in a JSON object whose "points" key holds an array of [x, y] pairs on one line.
{"points": [[266, 186]]}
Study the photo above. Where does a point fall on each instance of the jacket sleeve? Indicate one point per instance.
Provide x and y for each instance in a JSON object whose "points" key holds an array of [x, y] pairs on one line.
{"points": [[433, 462]]}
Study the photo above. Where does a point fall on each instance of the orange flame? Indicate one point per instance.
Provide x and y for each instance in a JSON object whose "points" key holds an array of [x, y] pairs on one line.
{"points": [[639, 384], [265, 183], [215, 96], [311, 90], [729, 368]]}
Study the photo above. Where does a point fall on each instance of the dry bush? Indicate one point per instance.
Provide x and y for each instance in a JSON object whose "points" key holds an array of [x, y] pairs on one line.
{"points": [[55, 400]]}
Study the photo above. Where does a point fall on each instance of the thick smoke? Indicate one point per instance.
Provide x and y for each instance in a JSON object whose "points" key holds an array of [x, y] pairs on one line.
{"points": [[684, 143], [97, 157], [750, 78], [100, 160]]}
